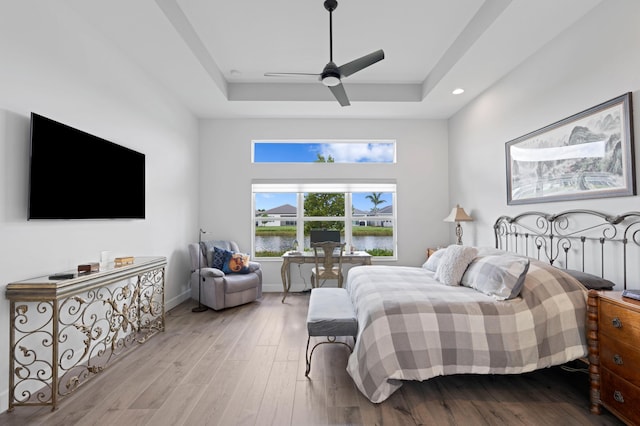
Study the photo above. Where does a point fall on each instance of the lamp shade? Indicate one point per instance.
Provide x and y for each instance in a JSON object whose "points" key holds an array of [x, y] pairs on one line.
{"points": [[458, 215]]}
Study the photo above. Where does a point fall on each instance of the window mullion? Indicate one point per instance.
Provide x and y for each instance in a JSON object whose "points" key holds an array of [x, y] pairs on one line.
{"points": [[348, 223], [300, 220]]}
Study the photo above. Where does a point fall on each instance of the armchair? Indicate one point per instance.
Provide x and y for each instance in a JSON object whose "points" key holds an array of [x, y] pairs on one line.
{"points": [[220, 290]]}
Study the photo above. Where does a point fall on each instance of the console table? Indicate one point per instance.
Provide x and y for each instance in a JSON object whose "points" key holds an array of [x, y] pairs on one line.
{"points": [[63, 332], [355, 258]]}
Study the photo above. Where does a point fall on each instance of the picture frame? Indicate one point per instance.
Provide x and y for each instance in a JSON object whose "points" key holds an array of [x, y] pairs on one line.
{"points": [[587, 155]]}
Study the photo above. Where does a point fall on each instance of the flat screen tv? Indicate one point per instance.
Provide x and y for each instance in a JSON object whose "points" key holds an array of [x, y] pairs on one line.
{"points": [[75, 175]]}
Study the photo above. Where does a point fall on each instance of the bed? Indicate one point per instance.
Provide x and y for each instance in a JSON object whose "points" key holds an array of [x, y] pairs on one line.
{"points": [[411, 326]]}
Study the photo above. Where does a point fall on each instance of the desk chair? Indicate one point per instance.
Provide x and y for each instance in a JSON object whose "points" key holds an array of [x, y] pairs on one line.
{"points": [[325, 263]]}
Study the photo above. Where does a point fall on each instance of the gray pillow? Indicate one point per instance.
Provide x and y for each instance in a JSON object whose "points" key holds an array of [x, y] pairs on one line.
{"points": [[499, 276], [432, 262], [590, 281], [453, 263]]}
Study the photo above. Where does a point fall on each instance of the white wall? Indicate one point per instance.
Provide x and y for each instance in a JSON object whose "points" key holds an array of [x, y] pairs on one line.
{"points": [[594, 61], [55, 65], [421, 175]]}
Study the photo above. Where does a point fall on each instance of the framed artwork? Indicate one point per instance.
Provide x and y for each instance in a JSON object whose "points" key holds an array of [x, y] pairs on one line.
{"points": [[587, 155]]}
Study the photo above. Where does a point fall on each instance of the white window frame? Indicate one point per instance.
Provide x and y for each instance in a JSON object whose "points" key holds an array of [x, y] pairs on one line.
{"points": [[300, 188]]}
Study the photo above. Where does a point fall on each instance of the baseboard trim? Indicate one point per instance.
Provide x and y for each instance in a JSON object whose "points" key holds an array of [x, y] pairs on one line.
{"points": [[277, 288], [175, 301], [266, 288]]}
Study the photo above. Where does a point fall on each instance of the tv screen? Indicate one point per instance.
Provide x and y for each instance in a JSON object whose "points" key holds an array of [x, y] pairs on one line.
{"points": [[75, 175]]}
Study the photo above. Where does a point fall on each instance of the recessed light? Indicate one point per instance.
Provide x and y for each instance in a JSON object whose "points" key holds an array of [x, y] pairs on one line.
{"points": [[235, 72], [458, 91]]}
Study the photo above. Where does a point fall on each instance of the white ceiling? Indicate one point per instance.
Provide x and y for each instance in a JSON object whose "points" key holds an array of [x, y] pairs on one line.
{"points": [[192, 47]]}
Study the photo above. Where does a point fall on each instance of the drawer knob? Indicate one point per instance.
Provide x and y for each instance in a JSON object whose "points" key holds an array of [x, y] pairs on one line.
{"points": [[616, 322], [617, 395], [617, 359]]}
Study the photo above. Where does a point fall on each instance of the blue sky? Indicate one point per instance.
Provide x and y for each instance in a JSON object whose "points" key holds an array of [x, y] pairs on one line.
{"points": [[307, 152], [271, 200]]}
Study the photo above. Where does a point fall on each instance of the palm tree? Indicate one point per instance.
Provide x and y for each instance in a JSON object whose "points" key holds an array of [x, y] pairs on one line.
{"points": [[376, 199]]}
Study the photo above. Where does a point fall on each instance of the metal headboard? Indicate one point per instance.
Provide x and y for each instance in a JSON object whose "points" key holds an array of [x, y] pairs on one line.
{"points": [[597, 240]]}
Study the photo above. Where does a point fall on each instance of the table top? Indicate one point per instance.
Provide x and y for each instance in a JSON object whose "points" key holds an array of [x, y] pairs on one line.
{"points": [[616, 297], [310, 254], [111, 272]]}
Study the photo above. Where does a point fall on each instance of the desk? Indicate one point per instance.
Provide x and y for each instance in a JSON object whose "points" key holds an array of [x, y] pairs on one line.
{"points": [[64, 332], [355, 258]]}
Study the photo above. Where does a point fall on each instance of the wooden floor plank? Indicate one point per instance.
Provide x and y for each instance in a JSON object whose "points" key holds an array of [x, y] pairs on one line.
{"points": [[216, 396], [276, 407], [310, 403], [183, 399], [341, 391], [246, 365], [245, 402]]}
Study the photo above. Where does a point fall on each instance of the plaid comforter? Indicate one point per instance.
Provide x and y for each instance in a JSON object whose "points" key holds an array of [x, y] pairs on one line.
{"points": [[411, 327]]}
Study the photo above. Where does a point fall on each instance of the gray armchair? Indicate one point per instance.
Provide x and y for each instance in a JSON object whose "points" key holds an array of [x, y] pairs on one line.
{"points": [[220, 290]]}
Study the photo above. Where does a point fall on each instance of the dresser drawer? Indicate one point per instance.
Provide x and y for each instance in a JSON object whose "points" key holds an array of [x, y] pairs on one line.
{"points": [[618, 322], [620, 358], [619, 395]]}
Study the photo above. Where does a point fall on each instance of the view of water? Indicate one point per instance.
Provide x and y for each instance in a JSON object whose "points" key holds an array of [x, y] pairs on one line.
{"points": [[279, 243]]}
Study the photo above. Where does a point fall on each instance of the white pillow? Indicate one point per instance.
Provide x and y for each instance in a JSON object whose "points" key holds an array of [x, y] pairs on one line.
{"points": [[453, 263], [432, 262]]}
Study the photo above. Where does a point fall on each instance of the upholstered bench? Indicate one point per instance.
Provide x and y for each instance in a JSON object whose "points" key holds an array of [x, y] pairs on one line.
{"points": [[331, 314]]}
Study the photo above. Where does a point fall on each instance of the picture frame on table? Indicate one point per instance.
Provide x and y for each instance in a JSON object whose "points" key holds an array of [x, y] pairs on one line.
{"points": [[587, 155]]}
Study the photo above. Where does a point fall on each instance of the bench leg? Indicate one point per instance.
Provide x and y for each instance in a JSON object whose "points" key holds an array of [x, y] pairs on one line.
{"points": [[330, 339], [308, 358]]}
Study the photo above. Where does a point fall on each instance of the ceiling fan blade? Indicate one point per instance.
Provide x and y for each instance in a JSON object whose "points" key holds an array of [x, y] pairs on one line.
{"points": [[291, 74], [340, 94], [361, 63]]}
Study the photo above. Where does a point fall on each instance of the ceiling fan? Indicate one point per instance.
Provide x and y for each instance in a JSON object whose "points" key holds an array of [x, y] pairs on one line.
{"points": [[331, 76]]}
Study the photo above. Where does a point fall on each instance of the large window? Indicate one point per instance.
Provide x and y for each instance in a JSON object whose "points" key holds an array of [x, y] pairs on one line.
{"points": [[364, 213]]}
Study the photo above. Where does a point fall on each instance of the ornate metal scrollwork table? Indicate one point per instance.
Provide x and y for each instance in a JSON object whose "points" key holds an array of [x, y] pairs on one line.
{"points": [[63, 332]]}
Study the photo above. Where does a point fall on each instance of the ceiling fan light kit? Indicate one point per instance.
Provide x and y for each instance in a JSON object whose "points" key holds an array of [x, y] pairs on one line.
{"points": [[330, 81], [331, 76]]}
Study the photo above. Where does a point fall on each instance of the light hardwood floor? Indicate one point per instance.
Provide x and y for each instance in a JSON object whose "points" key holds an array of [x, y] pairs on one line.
{"points": [[245, 366]]}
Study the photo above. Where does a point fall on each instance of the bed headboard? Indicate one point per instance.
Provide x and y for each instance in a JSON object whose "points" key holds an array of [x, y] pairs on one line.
{"points": [[587, 240]]}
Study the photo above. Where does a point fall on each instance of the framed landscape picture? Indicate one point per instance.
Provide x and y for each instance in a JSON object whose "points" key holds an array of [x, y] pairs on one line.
{"points": [[587, 155]]}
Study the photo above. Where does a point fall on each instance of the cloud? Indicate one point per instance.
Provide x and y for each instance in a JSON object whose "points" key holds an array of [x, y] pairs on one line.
{"points": [[349, 152]]}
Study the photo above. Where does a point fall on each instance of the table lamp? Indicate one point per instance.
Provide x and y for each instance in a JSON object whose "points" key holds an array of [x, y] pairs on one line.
{"points": [[458, 215]]}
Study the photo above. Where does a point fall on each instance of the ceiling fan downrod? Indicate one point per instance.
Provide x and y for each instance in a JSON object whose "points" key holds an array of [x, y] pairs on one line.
{"points": [[330, 5]]}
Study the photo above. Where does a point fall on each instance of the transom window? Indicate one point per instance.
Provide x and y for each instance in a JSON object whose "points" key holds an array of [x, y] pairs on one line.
{"points": [[285, 213], [336, 151]]}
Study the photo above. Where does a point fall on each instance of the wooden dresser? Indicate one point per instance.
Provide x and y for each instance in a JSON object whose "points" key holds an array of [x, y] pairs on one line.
{"points": [[614, 354]]}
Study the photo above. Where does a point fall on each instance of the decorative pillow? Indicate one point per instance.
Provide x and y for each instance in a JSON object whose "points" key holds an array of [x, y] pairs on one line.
{"points": [[209, 246], [498, 276], [432, 262], [237, 263], [453, 263], [218, 257], [590, 281]]}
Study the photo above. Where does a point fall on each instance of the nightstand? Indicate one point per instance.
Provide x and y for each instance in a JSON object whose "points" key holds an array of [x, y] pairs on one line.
{"points": [[613, 325], [430, 251]]}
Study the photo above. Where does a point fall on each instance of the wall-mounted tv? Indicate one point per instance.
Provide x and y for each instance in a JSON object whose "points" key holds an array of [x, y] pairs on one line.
{"points": [[75, 175]]}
